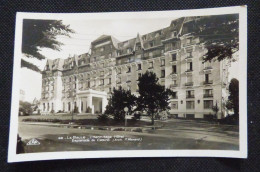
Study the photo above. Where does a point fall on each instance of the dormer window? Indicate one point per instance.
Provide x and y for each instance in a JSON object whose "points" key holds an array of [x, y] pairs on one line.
{"points": [[144, 37], [151, 44]]}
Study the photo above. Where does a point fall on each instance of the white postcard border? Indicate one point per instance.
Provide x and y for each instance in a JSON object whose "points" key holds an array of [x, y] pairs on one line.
{"points": [[241, 153]]}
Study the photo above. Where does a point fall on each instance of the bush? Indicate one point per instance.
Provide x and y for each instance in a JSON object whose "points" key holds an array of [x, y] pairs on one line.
{"points": [[103, 118], [89, 110]]}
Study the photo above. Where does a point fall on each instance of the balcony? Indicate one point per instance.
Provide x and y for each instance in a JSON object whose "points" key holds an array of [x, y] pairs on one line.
{"points": [[188, 71], [189, 96], [189, 84], [207, 95], [208, 82], [173, 85]]}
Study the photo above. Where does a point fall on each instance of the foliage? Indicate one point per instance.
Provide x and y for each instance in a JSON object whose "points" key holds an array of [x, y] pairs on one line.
{"points": [[25, 108], [234, 96], [153, 97], [119, 100], [220, 34], [103, 118], [20, 145], [89, 110], [76, 110], [38, 34]]}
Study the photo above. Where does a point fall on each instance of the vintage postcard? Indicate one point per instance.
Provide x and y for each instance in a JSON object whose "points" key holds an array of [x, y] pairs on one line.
{"points": [[130, 84]]}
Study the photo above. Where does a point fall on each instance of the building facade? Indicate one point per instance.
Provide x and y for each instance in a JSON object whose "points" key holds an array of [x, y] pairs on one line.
{"points": [[174, 53]]}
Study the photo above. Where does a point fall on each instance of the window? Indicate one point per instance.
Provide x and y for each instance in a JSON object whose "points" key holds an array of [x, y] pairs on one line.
{"points": [[174, 95], [48, 107], [119, 80], [139, 66], [190, 105], [110, 90], [174, 69], [162, 73], [190, 94], [88, 84], [208, 104], [206, 78], [109, 81], [163, 62], [81, 106], [102, 82], [189, 79], [110, 72], [69, 106], [43, 106], [70, 80], [75, 86], [95, 59], [139, 75], [151, 44], [129, 50], [189, 55], [174, 105], [189, 66], [208, 93], [119, 71], [128, 69], [150, 65], [173, 57], [188, 41]]}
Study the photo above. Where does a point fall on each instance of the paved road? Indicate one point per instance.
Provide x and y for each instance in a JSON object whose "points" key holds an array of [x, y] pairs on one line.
{"points": [[176, 134]]}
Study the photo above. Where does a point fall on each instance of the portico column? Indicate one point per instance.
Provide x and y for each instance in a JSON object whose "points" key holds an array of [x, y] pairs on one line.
{"points": [[104, 104], [79, 105]]}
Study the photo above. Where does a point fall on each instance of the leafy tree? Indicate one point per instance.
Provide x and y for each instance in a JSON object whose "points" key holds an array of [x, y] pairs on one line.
{"points": [[25, 108], [234, 96], [119, 100], [220, 33], [153, 96], [39, 34]]}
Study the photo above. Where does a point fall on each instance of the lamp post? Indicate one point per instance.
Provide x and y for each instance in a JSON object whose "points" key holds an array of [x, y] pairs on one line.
{"points": [[126, 110]]}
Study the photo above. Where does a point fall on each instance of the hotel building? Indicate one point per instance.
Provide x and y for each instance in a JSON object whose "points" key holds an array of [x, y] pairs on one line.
{"points": [[174, 53]]}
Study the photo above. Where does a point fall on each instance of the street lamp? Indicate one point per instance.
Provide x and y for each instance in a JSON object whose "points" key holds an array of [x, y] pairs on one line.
{"points": [[126, 110]]}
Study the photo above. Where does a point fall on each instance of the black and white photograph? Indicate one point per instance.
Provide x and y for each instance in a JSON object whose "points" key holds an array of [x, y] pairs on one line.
{"points": [[130, 84]]}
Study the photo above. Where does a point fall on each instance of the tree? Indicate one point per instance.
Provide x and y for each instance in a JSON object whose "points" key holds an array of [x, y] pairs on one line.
{"points": [[234, 96], [119, 100], [38, 34], [220, 33], [153, 96], [25, 108]]}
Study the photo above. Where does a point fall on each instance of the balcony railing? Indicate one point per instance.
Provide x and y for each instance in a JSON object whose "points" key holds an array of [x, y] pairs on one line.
{"points": [[173, 85], [207, 68], [207, 95], [189, 96], [189, 57], [189, 84], [188, 70], [208, 82]]}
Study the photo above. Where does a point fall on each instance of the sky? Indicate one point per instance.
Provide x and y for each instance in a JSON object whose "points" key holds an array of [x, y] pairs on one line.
{"points": [[87, 31]]}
